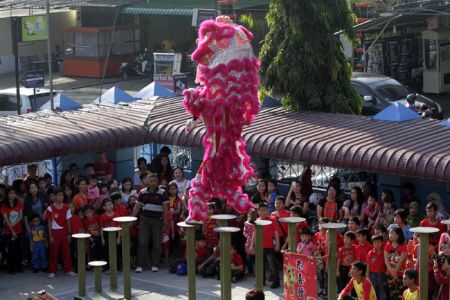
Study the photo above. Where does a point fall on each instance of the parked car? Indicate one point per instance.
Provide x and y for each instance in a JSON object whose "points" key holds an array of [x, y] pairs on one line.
{"points": [[30, 102], [379, 91]]}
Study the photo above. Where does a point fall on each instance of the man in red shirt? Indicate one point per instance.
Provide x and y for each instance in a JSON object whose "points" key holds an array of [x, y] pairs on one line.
{"points": [[58, 217], [376, 267], [270, 234], [432, 221], [364, 246], [104, 169]]}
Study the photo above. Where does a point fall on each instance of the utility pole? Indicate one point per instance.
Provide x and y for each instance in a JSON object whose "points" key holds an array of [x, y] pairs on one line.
{"points": [[15, 22], [49, 54]]}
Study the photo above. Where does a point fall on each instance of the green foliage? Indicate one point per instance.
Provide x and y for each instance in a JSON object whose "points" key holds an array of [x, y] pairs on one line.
{"points": [[302, 61], [247, 21]]}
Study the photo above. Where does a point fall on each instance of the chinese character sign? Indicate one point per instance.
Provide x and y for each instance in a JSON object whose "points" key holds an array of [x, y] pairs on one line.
{"points": [[300, 277]]}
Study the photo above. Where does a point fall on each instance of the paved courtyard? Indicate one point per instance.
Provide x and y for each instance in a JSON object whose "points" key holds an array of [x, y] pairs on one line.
{"points": [[147, 285]]}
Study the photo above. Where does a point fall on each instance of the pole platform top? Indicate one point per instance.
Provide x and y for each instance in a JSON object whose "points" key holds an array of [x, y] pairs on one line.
{"points": [[185, 225], [332, 225], [262, 222], [223, 217], [97, 263], [426, 230], [226, 229], [446, 222], [292, 220], [81, 235], [112, 229], [124, 219]]}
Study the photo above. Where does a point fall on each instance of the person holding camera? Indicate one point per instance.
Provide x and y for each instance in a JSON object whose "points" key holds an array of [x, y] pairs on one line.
{"points": [[441, 268]]}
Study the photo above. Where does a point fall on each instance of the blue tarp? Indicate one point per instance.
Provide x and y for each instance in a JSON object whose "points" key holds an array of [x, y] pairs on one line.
{"points": [[445, 122], [114, 95], [270, 101], [62, 102], [154, 89], [396, 112]]}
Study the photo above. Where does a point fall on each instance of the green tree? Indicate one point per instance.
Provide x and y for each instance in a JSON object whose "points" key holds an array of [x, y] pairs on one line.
{"points": [[302, 61]]}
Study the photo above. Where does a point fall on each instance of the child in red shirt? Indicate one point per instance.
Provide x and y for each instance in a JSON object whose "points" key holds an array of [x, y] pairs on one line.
{"points": [[58, 217], [92, 226], [107, 220], [345, 257], [208, 228], [363, 246], [376, 267], [237, 265], [119, 206], [270, 234], [12, 211]]}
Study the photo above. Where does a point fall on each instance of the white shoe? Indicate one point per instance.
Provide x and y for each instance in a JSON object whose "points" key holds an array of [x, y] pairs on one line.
{"points": [[138, 270], [155, 269], [51, 275], [71, 273]]}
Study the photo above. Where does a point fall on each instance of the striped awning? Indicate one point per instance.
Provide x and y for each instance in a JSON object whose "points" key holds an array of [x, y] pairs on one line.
{"points": [[157, 11]]}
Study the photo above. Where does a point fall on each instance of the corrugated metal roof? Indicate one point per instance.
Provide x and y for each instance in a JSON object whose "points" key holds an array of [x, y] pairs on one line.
{"points": [[157, 11], [66, 3], [337, 140], [415, 148]]}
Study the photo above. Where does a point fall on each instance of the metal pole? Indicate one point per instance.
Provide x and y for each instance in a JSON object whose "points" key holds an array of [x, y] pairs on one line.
{"points": [[49, 54], [14, 34], [191, 262], [225, 265], [126, 260], [292, 231], [424, 233], [423, 269], [259, 258], [81, 253], [112, 259], [125, 224], [259, 252], [225, 260], [98, 278], [332, 263], [81, 258]]}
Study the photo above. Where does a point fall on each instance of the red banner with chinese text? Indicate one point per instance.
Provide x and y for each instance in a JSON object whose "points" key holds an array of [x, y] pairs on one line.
{"points": [[300, 277]]}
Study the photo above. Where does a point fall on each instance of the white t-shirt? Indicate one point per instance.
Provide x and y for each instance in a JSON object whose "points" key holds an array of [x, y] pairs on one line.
{"points": [[182, 186]]}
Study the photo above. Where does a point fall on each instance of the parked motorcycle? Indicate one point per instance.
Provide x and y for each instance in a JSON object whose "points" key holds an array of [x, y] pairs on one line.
{"points": [[142, 66]]}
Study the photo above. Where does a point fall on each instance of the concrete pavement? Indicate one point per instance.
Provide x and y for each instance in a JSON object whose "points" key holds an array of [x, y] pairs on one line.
{"points": [[146, 286]]}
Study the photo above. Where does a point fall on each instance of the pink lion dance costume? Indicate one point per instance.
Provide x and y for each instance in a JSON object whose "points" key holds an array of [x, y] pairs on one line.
{"points": [[226, 101]]}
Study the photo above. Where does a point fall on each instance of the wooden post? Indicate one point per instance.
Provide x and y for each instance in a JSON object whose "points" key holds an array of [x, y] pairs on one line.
{"points": [[98, 265], [423, 233], [190, 229], [81, 257], [259, 252], [292, 231], [125, 224], [225, 260], [112, 245], [332, 263]]}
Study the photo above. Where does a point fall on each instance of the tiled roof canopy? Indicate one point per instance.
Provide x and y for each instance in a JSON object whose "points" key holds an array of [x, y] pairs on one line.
{"points": [[414, 148]]}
